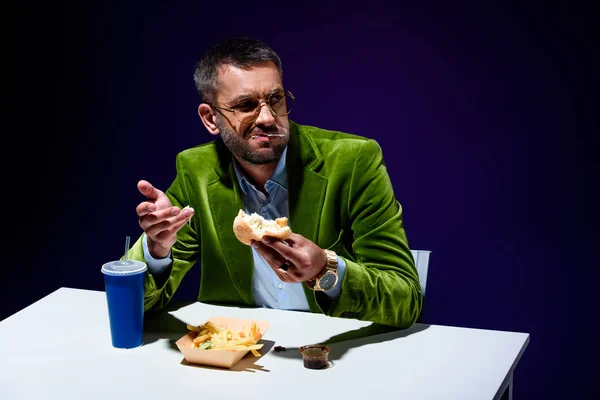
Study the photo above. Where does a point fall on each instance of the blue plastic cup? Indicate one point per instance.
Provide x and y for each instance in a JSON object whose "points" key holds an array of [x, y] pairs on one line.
{"points": [[124, 284]]}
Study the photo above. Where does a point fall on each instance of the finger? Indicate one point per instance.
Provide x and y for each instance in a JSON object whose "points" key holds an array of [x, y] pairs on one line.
{"points": [[155, 228], [285, 269], [166, 217], [286, 272], [180, 220], [270, 255], [187, 212], [285, 277], [145, 208], [161, 215], [148, 190], [283, 248], [289, 275]]}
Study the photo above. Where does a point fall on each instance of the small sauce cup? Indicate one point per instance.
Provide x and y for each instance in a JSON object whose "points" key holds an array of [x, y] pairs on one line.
{"points": [[315, 356]]}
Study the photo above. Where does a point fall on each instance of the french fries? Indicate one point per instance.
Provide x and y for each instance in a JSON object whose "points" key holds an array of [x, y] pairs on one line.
{"points": [[213, 337]]}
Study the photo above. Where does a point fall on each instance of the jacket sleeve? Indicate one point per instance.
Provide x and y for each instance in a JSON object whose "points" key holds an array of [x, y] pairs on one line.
{"points": [[381, 284], [185, 251]]}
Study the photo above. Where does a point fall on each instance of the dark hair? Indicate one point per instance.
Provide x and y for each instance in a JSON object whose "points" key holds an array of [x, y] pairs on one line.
{"points": [[242, 52]]}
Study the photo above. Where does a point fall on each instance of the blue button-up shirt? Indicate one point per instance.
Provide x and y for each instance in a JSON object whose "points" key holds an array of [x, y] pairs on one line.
{"points": [[269, 291]]}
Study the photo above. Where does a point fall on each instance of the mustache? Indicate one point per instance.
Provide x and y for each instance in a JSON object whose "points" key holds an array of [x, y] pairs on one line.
{"points": [[260, 130]]}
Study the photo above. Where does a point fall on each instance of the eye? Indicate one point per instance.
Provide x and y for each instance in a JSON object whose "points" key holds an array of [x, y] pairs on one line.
{"points": [[275, 98], [246, 105]]}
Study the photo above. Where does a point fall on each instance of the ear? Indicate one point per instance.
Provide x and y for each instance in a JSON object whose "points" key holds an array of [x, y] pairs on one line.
{"points": [[208, 117]]}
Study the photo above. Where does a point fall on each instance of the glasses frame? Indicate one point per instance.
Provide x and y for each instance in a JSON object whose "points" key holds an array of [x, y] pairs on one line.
{"points": [[261, 102]]}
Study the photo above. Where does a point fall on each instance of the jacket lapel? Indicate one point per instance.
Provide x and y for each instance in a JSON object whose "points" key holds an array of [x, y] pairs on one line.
{"points": [[306, 191], [226, 199]]}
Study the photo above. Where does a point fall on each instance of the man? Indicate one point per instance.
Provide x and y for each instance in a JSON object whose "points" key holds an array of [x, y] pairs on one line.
{"points": [[348, 255]]}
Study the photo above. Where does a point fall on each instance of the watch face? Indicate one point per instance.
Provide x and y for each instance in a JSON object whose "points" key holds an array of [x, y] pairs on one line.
{"points": [[328, 281]]}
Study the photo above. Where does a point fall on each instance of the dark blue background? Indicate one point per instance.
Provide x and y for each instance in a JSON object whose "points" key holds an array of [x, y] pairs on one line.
{"points": [[487, 116]]}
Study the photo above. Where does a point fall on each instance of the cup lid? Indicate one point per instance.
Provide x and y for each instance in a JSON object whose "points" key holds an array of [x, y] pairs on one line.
{"points": [[124, 267]]}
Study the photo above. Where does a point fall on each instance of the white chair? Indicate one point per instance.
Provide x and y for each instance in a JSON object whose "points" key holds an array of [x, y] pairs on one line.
{"points": [[422, 262]]}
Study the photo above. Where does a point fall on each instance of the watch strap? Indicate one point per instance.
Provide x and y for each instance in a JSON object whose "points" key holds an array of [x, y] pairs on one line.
{"points": [[332, 260], [331, 265]]}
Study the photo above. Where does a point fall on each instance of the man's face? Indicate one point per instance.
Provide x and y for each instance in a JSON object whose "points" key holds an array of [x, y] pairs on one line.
{"points": [[248, 141]]}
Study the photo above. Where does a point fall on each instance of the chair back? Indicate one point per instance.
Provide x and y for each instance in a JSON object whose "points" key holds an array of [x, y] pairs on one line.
{"points": [[422, 262]]}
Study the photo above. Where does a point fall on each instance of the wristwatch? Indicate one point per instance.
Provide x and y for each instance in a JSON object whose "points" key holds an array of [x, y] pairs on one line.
{"points": [[327, 278]]}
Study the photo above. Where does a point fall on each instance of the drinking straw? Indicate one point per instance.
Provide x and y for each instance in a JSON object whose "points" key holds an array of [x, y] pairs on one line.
{"points": [[126, 247]]}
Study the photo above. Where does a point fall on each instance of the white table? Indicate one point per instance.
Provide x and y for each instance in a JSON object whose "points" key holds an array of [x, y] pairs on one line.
{"points": [[59, 348]]}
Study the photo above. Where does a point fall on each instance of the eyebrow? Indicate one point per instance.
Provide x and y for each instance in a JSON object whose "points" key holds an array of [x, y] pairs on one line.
{"points": [[237, 99]]}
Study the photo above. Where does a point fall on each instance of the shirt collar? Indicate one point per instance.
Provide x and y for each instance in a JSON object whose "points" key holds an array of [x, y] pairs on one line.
{"points": [[279, 175]]}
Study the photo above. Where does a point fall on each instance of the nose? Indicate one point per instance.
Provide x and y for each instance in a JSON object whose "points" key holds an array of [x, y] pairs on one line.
{"points": [[265, 116]]}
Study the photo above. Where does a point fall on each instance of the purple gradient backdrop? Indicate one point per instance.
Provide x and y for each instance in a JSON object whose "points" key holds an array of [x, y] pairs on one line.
{"points": [[485, 116]]}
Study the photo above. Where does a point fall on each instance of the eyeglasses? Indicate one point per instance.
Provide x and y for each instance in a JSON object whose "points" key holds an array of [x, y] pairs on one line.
{"points": [[247, 109]]}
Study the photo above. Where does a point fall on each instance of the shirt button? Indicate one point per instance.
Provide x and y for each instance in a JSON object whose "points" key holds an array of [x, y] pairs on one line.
{"points": [[280, 285]]}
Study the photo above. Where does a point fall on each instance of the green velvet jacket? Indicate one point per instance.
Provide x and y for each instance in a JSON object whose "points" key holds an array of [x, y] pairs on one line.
{"points": [[340, 197]]}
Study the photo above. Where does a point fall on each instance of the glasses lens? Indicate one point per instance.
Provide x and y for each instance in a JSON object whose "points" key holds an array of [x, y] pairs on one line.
{"points": [[246, 110], [281, 103]]}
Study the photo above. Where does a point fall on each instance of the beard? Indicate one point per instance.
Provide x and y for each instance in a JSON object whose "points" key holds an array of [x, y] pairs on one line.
{"points": [[239, 144]]}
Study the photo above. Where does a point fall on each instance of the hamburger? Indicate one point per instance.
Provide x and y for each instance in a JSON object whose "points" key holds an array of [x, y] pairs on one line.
{"points": [[248, 227]]}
